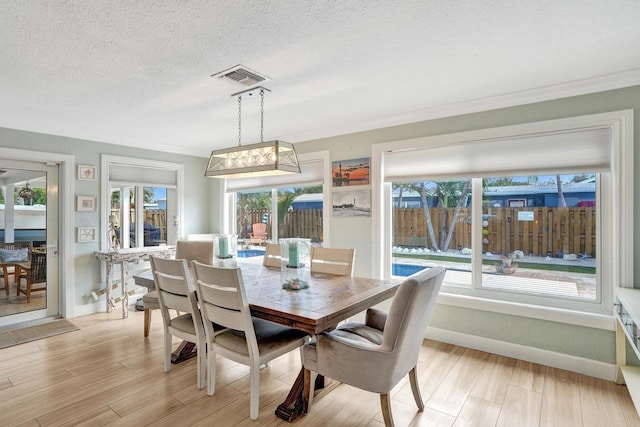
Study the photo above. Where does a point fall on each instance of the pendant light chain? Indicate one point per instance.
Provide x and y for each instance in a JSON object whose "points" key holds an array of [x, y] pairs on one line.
{"points": [[239, 121], [261, 115]]}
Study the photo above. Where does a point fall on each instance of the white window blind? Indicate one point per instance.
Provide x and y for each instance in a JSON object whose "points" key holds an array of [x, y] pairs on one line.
{"points": [[311, 174], [126, 175], [576, 150]]}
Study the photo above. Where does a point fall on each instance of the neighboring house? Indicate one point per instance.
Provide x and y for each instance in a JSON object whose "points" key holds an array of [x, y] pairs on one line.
{"points": [[575, 194], [307, 201]]}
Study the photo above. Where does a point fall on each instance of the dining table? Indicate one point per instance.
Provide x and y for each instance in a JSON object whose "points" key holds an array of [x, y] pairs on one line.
{"points": [[329, 300]]}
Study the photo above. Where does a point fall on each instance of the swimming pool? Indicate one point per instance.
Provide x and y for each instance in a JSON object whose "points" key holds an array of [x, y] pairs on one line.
{"points": [[247, 253], [406, 269]]}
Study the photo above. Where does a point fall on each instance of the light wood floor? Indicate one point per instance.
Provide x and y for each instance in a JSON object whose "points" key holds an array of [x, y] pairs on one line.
{"points": [[108, 374]]}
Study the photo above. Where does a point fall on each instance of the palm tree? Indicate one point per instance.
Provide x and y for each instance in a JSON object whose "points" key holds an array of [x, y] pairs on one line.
{"points": [[427, 216], [561, 201]]}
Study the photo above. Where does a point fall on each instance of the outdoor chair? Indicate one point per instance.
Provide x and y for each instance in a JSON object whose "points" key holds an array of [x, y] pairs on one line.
{"points": [[13, 252], [199, 250], [35, 277], [332, 260], [176, 291], [248, 340], [376, 355], [272, 255], [259, 233]]}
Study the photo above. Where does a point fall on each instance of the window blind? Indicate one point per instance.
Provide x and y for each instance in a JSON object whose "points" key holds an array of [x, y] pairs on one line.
{"points": [[576, 150], [125, 175], [311, 174]]}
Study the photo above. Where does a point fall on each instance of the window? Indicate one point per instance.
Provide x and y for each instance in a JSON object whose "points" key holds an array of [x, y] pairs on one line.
{"points": [[292, 205], [298, 213], [145, 200], [539, 213], [542, 246]]}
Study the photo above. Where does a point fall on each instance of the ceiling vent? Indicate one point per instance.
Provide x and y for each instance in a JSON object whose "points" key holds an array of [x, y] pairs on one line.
{"points": [[242, 75]]}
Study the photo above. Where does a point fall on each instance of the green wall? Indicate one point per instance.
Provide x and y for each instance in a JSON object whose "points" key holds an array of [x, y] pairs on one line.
{"points": [[578, 341], [204, 209], [197, 194]]}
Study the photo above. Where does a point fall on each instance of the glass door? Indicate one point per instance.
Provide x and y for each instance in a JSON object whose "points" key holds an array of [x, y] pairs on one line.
{"points": [[28, 241]]}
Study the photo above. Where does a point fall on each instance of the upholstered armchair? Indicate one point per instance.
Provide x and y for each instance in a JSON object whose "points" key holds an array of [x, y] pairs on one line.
{"points": [[376, 355]]}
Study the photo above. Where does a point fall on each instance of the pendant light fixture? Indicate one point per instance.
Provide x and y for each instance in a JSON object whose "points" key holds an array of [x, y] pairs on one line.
{"points": [[259, 159]]}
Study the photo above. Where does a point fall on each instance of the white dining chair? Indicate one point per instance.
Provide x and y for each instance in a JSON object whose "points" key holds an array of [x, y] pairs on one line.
{"points": [[176, 291], [332, 260], [272, 255], [248, 340], [200, 250]]}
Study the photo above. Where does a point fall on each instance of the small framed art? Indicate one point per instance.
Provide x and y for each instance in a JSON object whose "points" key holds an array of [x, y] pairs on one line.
{"points": [[86, 203], [86, 234], [350, 172], [86, 173]]}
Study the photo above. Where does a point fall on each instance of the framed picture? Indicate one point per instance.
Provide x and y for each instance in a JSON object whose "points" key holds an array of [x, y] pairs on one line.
{"points": [[351, 203], [86, 234], [350, 172], [86, 203], [86, 173]]}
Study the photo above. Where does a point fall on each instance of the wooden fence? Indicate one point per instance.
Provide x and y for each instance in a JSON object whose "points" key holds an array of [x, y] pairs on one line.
{"points": [[551, 231], [156, 217], [297, 223]]}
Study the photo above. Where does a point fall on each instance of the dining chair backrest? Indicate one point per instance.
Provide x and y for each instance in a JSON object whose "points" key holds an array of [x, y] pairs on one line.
{"points": [[332, 260], [195, 250], [174, 285], [223, 300], [272, 255], [208, 237]]}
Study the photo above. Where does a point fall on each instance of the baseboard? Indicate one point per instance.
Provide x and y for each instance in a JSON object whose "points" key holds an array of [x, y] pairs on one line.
{"points": [[100, 307], [592, 368]]}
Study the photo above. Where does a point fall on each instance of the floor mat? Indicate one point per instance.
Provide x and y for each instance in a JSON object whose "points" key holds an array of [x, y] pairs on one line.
{"points": [[11, 337]]}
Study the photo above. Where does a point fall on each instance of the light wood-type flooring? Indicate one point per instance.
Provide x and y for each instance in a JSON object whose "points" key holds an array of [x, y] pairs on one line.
{"points": [[108, 374]]}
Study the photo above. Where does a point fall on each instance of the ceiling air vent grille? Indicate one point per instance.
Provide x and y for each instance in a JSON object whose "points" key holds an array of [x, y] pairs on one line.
{"points": [[242, 75]]}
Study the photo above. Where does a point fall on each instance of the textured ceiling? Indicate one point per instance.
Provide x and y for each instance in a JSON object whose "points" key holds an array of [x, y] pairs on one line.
{"points": [[138, 72]]}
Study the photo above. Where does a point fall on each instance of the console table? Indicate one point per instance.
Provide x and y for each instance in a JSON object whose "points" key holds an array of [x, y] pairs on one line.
{"points": [[627, 311], [123, 257]]}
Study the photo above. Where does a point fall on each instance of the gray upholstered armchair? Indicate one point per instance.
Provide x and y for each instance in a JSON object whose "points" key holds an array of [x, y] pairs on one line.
{"points": [[376, 355]]}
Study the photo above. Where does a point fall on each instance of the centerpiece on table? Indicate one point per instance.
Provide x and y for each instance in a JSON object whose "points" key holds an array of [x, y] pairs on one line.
{"points": [[295, 264], [225, 250]]}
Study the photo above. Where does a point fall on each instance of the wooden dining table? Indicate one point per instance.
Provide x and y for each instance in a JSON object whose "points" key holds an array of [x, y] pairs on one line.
{"points": [[327, 301]]}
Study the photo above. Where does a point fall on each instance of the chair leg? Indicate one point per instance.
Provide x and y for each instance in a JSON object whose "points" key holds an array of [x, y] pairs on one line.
{"points": [[254, 398], [147, 321], [28, 292], [385, 402], [309, 389], [202, 364], [211, 371], [415, 388], [167, 351]]}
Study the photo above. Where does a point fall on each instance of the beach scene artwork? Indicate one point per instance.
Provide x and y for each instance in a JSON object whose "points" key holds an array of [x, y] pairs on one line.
{"points": [[352, 203], [350, 172]]}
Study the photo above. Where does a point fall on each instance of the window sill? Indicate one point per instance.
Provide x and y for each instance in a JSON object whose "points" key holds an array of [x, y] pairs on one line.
{"points": [[588, 320]]}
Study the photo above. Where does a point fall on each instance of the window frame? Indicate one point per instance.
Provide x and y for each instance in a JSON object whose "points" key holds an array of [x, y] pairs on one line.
{"points": [[230, 199], [174, 228], [615, 229]]}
